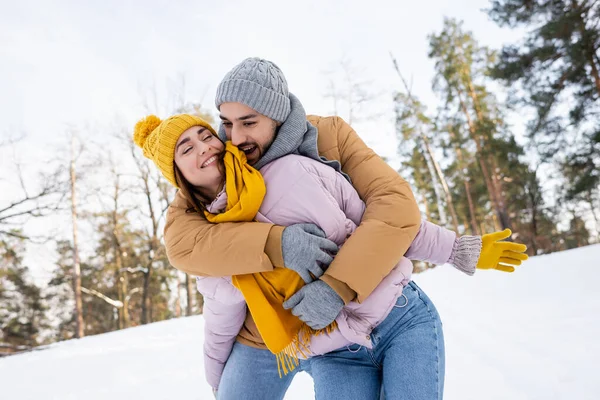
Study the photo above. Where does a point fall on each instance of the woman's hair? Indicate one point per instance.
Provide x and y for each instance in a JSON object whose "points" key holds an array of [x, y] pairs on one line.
{"points": [[188, 192]]}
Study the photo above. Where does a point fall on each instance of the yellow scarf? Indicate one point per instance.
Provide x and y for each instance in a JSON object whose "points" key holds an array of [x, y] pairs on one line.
{"points": [[285, 335]]}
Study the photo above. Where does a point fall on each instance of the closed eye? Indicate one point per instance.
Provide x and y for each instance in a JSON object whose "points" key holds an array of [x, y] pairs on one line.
{"points": [[187, 150]]}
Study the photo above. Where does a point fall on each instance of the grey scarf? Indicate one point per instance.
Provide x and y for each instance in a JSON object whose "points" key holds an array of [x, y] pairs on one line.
{"points": [[295, 136]]}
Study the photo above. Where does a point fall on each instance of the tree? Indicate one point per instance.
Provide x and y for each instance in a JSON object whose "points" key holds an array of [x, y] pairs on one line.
{"points": [[461, 66], [577, 235], [460, 171], [98, 308], [79, 333], [555, 70], [149, 184], [23, 312], [413, 124], [581, 170], [558, 55], [350, 94], [33, 201]]}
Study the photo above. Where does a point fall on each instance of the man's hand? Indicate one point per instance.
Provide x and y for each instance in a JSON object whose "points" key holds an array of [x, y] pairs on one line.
{"points": [[316, 304], [503, 256], [306, 250]]}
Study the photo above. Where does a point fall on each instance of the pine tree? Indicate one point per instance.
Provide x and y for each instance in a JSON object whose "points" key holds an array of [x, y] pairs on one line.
{"points": [[23, 312], [459, 172], [414, 126], [461, 66], [555, 70], [577, 235], [98, 308]]}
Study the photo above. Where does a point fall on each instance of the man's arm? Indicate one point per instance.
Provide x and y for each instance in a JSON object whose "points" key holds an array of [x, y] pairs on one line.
{"points": [[200, 248], [390, 222]]}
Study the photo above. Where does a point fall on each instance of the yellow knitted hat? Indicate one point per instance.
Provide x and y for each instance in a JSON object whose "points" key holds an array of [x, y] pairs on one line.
{"points": [[158, 139]]}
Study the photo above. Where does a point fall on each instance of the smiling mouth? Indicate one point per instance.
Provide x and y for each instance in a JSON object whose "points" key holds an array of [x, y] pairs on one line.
{"points": [[248, 149], [209, 162]]}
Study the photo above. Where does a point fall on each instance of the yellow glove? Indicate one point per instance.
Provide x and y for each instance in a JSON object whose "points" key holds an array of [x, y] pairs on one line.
{"points": [[495, 253]]}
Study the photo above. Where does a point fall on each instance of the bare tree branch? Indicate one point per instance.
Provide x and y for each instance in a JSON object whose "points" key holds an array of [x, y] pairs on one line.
{"points": [[114, 303]]}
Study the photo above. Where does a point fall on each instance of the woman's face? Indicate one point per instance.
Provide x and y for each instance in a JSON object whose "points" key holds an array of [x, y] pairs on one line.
{"points": [[198, 157]]}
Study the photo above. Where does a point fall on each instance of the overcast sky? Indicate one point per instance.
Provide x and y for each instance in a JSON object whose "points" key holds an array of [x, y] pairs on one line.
{"points": [[75, 62]]}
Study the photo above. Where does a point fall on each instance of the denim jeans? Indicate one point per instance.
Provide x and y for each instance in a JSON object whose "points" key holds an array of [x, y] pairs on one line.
{"points": [[406, 362], [251, 374]]}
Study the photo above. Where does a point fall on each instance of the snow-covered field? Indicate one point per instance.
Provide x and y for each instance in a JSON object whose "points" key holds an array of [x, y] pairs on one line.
{"points": [[534, 334]]}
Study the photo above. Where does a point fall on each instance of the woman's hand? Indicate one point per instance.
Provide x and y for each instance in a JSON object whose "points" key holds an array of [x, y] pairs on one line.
{"points": [[502, 256]]}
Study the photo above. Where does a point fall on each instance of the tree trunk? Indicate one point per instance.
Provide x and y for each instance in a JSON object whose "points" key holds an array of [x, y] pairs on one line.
{"points": [[499, 188], [442, 179], [189, 285], [146, 296], [595, 74], [124, 319], [424, 202], [121, 295], [153, 246], [462, 165], [534, 233], [484, 169], [431, 159], [121, 273], [596, 64], [438, 196], [590, 200], [495, 184], [590, 50], [178, 297], [76, 265], [474, 227], [200, 302]]}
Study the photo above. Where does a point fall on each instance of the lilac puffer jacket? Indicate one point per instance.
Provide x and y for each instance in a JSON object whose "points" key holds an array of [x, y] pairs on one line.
{"points": [[302, 190]]}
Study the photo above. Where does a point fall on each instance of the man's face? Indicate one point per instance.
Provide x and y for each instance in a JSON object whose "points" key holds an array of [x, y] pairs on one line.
{"points": [[251, 132]]}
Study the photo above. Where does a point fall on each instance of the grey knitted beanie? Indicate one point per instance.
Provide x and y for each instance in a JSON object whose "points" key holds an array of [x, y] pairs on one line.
{"points": [[260, 85]]}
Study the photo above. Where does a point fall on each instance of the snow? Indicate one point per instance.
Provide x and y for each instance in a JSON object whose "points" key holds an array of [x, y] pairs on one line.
{"points": [[533, 334]]}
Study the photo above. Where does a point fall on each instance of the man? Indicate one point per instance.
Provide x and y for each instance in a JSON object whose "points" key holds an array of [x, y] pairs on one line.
{"points": [[264, 120]]}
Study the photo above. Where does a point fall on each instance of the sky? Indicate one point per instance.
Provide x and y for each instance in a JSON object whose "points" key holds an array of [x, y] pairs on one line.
{"points": [[72, 62], [84, 65]]}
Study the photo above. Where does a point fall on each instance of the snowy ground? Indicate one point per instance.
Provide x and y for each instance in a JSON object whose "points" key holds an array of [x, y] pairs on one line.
{"points": [[534, 334]]}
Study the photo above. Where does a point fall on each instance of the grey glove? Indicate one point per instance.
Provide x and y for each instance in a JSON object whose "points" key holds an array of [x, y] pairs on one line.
{"points": [[306, 250], [316, 304]]}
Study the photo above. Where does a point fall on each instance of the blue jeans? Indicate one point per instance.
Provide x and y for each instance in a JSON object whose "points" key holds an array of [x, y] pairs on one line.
{"points": [[406, 362], [251, 374]]}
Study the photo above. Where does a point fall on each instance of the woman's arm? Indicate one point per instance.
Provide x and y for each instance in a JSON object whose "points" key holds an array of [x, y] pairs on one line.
{"points": [[224, 314]]}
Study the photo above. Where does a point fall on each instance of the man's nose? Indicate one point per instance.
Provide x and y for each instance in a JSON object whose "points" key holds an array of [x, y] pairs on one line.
{"points": [[237, 137]]}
